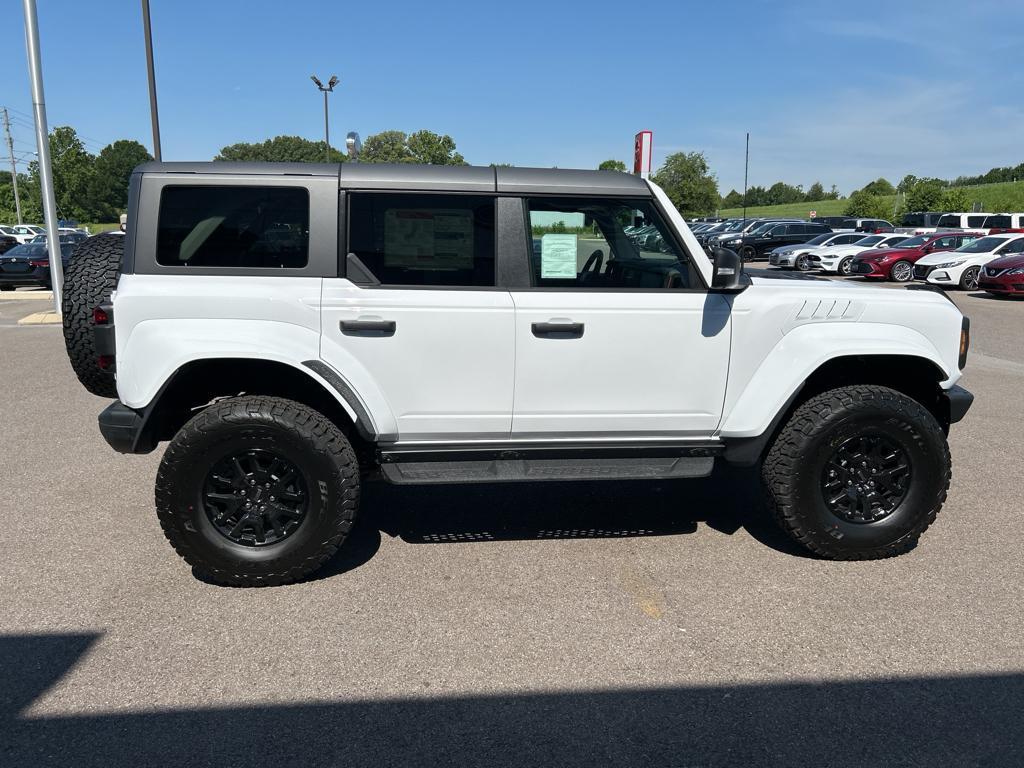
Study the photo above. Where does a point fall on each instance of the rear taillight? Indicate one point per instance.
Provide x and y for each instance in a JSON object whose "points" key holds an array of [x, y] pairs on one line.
{"points": [[100, 316], [39, 263]]}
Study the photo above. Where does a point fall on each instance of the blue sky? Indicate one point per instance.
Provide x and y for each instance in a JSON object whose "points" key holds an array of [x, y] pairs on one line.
{"points": [[840, 93]]}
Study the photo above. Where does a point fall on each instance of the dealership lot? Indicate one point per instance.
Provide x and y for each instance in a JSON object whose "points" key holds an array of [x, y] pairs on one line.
{"points": [[621, 623]]}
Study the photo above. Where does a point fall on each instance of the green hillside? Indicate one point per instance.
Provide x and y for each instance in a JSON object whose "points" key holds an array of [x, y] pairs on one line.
{"points": [[1006, 196]]}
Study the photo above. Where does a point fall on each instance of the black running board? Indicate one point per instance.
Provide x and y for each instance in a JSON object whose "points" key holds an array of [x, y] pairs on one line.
{"points": [[423, 466]]}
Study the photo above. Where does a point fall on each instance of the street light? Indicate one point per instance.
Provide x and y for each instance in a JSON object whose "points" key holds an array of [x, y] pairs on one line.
{"points": [[325, 89]]}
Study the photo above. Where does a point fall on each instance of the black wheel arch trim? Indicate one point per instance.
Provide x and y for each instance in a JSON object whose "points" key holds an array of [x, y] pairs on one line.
{"points": [[364, 424]]}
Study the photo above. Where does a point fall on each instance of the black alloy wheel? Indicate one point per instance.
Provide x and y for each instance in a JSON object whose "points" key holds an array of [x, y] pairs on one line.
{"points": [[255, 497], [866, 478]]}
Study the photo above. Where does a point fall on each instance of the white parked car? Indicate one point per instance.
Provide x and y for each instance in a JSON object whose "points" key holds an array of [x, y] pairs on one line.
{"points": [[24, 233], [839, 258], [972, 221], [961, 267], [796, 256]]}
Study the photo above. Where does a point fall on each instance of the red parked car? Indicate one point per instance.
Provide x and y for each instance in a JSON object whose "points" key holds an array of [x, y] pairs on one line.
{"points": [[1003, 277], [897, 264]]}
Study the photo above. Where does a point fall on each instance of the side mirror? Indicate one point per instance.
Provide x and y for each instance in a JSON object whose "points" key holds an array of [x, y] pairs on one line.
{"points": [[727, 272]]}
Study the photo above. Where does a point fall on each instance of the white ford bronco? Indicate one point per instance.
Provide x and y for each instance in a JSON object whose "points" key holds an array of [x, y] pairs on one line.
{"points": [[295, 329]]}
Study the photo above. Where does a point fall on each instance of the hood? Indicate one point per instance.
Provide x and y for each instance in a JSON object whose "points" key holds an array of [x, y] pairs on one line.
{"points": [[941, 257], [1008, 262], [885, 253]]}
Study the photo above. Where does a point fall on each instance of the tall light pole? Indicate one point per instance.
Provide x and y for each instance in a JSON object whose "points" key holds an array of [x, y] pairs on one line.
{"points": [[325, 89], [35, 70], [152, 81]]}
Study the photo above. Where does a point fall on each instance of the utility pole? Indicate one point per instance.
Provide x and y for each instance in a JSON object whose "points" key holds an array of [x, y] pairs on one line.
{"points": [[329, 88], [35, 69], [153, 115], [14, 167], [746, 166]]}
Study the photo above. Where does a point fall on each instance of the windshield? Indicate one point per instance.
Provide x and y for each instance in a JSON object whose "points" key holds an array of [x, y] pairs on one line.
{"points": [[760, 229], [870, 240], [984, 245], [820, 239], [892, 242], [914, 242]]}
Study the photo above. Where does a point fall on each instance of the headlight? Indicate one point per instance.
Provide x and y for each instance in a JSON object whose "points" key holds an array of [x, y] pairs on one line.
{"points": [[947, 264], [733, 242], [1016, 271]]}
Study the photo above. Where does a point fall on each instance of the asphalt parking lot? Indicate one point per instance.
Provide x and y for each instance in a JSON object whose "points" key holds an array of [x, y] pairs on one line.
{"points": [[560, 624]]}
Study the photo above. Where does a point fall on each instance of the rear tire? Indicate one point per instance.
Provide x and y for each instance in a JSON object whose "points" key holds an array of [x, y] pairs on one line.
{"points": [[858, 473], [257, 491], [89, 279]]}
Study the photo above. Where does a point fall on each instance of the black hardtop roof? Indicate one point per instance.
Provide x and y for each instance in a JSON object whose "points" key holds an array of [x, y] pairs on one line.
{"points": [[409, 176]]}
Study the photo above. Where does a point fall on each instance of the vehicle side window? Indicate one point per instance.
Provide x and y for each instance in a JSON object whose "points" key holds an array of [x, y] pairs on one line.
{"points": [[976, 221], [238, 227], [1017, 246], [853, 238], [796, 229], [947, 242], [583, 243], [424, 239]]}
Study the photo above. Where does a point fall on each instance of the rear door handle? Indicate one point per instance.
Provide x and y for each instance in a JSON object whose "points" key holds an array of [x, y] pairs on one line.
{"points": [[558, 330], [368, 327]]}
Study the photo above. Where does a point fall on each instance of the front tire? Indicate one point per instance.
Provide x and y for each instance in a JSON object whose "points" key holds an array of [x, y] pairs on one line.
{"points": [[257, 491], [858, 473], [844, 266], [969, 279], [803, 263], [748, 253], [902, 272]]}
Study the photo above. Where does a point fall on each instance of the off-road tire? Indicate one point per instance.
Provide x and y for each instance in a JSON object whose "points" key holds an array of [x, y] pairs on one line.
{"points": [[792, 472], [89, 279], [309, 440]]}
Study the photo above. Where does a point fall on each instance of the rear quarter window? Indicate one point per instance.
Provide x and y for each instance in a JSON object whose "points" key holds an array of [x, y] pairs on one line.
{"points": [[237, 227]]}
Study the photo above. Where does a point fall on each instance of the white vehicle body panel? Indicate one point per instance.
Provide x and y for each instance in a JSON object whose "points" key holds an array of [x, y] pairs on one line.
{"points": [[447, 372], [789, 330], [649, 364]]}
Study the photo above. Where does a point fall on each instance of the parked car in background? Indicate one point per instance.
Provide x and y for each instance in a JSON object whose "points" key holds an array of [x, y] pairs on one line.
{"points": [[757, 243], [7, 242], [962, 267], [25, 232], [29, 264], [1003, 276], [734, 239], [998, 223], [731, 227], [66, 238], [839, 258], [853, 224], [897, 264], [795, 256], [921, 222], [973, 221]]}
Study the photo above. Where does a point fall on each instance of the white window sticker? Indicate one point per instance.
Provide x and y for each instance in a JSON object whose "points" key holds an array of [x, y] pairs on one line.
{"points": [[558, 256], [428, 239]]}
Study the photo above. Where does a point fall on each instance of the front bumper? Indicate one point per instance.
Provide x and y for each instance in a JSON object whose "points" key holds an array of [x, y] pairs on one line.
{"points": [[868, 269], [1004, 284], [124, 428], [782, 259], [959, 401]]}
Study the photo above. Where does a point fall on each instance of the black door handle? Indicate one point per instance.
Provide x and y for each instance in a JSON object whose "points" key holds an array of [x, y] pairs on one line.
{"points": [[368, 327], [558, 330]]}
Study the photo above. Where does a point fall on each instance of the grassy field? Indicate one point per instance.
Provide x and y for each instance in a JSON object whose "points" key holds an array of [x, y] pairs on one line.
{"points": [[95, 228], [1004, 197]]}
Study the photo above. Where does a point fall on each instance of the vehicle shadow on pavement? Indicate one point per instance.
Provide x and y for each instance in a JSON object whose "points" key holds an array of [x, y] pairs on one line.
{"points": [[940, 722], [727, 501]]}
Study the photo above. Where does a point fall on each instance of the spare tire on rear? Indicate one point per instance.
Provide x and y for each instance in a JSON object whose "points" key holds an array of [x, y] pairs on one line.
{"points": [[89, 279]]}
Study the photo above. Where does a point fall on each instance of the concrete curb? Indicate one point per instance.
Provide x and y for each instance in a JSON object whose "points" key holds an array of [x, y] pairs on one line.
{"points": [[41, 318], [21, 295]]}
